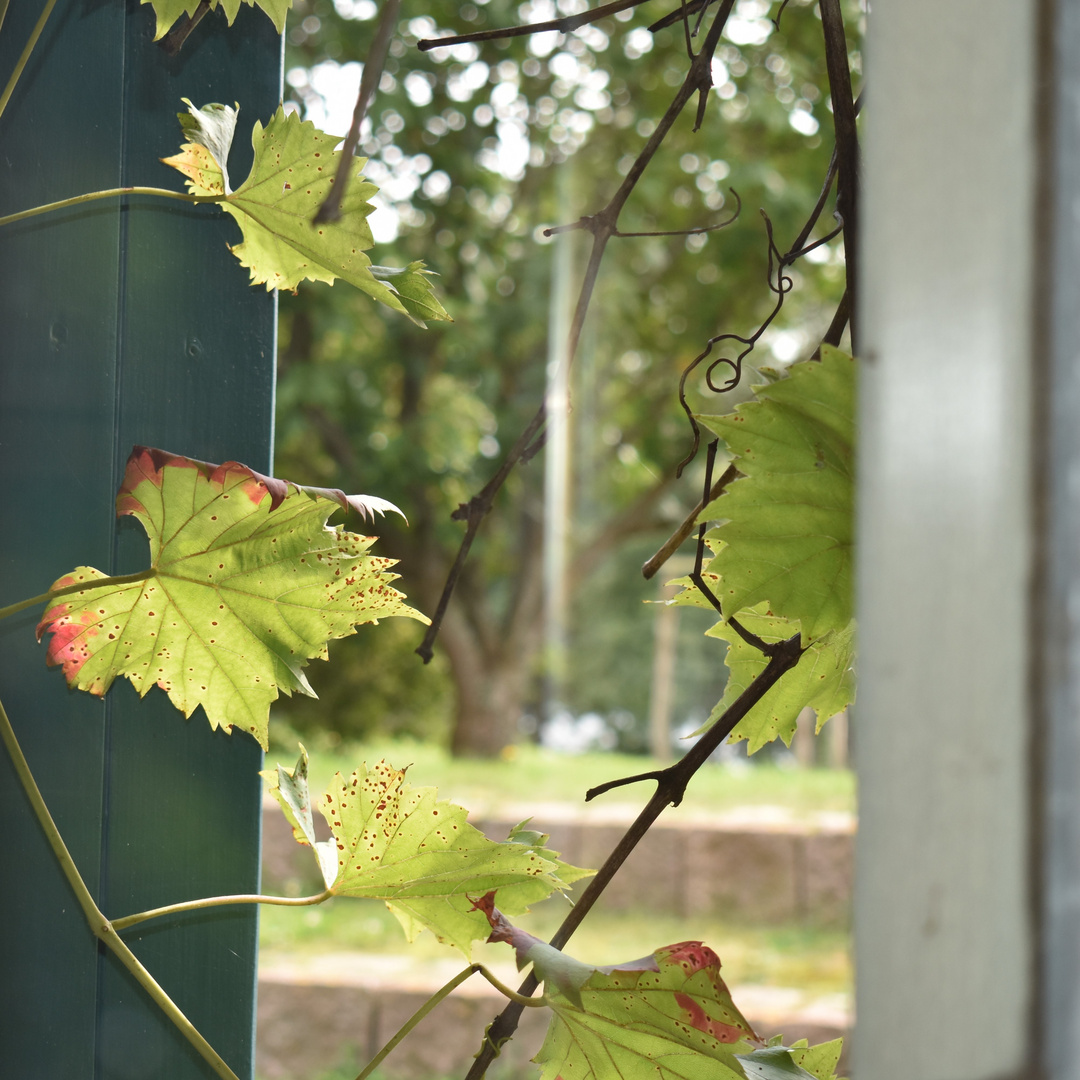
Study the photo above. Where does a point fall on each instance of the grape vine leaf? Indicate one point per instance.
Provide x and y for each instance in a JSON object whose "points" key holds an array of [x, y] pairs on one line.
{"points": [[668, 1016], [290, 178], [420, 855], [169, 11], [773, 1063], [247, 583], [210, 129], [788, 527], [823, 679], [821, 1061]]}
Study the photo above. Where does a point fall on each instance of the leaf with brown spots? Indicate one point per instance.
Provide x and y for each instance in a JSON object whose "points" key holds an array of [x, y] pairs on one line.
{"points": [[290, 178], [676, 1022], [403, 845], [668, 1016], [247, 583]]}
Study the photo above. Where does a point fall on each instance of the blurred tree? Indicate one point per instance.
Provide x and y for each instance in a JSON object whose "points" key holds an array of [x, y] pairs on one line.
{"points": [[475, 148]]}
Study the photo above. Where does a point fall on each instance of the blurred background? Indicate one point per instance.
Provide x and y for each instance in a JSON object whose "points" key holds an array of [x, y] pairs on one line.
{"points": [[556, 667]]}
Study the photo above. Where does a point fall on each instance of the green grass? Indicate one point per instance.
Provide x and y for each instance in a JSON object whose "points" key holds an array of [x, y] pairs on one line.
{"points": [[814, 960], [532, 774]]}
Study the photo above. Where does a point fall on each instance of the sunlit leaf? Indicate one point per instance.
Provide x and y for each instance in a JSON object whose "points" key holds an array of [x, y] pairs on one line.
{"points": [[789, 523], [290, 178], [247, 583], [169, 11], [419, 854]]}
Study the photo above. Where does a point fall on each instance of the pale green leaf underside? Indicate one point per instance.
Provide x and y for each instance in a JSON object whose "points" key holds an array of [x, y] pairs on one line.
{"points": [[789, 523], [290, 788], [238, 598], [420, 855], [211, 127], [169, 11]]}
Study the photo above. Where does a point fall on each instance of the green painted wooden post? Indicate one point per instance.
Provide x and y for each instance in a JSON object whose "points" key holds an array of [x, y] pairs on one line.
{"points": [[121, 324]]}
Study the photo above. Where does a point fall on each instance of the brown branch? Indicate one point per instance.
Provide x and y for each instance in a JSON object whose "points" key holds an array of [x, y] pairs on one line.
{"points": [[473, 513], [678, 537], [369, 81], [836, 328], [847, 142], [603, 226], [565, 25], [174, 40], [671, 785]]}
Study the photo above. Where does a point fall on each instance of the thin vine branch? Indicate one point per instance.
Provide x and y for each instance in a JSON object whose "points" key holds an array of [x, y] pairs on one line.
{"points": [[847, 142], [443, 992], [702, 585], [565, 25], [798, 249], [24, 56], [100, 926], [671, 785], [369, 82], [781, 287], [174, 40], [602, 226], [678, 537]]}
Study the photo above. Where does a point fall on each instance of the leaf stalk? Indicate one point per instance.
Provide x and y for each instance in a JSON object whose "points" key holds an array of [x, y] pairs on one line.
{"points": [[66, 590], [109, 193], [438, 996], [24, 57], [218, 901], [99, 925]]}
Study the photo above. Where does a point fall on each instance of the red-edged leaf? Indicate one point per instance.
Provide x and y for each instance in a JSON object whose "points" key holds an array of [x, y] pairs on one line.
{"points": [[247, 583]]}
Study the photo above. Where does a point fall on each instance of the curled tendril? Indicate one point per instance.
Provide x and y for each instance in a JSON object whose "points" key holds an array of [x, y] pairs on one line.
{"points": [[780, 284]]}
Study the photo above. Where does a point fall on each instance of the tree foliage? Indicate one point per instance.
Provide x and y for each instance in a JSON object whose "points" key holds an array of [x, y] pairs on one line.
{"points": [[476, 148]]}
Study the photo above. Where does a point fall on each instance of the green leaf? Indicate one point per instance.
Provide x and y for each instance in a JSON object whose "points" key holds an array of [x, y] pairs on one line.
{"points": [[772, 1063], [275, 206], [823, 679], [789, 522], [290, 788], [247, 583], [820, 1061], [169, 11], [414, 290], [420, 855], [675, 1022]]}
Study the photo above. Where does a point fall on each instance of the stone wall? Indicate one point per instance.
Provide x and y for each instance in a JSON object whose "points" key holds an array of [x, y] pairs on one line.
{"points": [[765, 869]]}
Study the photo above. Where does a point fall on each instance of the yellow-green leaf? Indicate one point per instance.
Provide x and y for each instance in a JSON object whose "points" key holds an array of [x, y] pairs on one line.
{"points": [[247, 583], [419, 854]]}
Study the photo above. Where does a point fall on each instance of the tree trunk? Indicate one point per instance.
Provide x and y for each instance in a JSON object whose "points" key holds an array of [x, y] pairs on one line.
{"points": [[491, 686]]}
